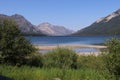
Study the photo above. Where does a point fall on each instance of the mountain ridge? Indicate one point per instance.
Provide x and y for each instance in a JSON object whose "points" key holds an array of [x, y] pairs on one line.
{"points": [[53, 30], [109, 25], [24, 25], [27, 28]]}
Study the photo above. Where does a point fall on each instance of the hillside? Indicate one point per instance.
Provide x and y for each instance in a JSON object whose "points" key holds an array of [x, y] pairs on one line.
{"points": [[24, 25], [53, 30], [42, 29], [109, 25]]}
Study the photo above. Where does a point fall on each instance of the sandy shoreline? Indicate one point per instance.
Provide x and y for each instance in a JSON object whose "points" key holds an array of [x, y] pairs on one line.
{"points": [[73, 47], [69, 46]]}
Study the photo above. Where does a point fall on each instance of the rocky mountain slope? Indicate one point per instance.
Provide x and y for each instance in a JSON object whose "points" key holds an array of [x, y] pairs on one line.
{"points": [[53, 30], [28, 28], [109, 25], [25, 26]]}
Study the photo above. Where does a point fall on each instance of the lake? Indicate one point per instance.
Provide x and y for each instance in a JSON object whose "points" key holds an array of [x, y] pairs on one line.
{"points": [[58, 40]]}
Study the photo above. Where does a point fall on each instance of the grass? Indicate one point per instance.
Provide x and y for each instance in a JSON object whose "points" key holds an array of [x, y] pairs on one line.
{"points": [[35, 73], [60, 64]]}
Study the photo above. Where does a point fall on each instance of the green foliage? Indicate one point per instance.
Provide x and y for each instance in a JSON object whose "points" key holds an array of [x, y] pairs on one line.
{"points": [[13, 46], [113, 56], [91, 61], [61, 64], [32, 73], [60, 58], [35, 60]]}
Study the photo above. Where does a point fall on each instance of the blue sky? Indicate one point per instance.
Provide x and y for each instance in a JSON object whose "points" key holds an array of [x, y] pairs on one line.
{"points": [[73, 14]]}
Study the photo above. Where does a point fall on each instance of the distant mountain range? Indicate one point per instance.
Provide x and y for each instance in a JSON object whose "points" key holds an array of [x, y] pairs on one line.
{"points": [[24, 25], [53, 30], [109, 25], [43, 29]]}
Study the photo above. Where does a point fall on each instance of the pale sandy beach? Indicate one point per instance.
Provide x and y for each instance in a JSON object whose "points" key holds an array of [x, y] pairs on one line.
{"points": [[74, 46], [69, 46]]}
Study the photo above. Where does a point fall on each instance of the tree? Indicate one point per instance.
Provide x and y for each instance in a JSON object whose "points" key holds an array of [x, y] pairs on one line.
{"points": [[13, 46], [113, 56]]}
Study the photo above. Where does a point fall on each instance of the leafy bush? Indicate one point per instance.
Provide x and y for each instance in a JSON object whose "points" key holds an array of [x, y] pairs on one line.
{"points": [[35, 60], [13, 46], [91, 61], [113, 56], [60, 58]]}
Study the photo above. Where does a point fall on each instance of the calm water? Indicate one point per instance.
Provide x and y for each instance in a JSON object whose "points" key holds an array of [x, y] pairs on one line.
{"points": [[50, 40]]}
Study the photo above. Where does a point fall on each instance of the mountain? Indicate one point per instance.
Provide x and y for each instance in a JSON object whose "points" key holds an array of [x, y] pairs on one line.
{"points": [[109, 25], [28, 28], [24, 25], [53, 30]]}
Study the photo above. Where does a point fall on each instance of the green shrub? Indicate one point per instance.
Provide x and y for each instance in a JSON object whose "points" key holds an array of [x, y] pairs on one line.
{"points": [[113, 57], [90, 61], [13, 46], [35, 60], [60, 58]]}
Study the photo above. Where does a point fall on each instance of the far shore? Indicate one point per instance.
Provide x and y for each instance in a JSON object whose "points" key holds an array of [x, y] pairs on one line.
{"points": [[72, 46]]}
